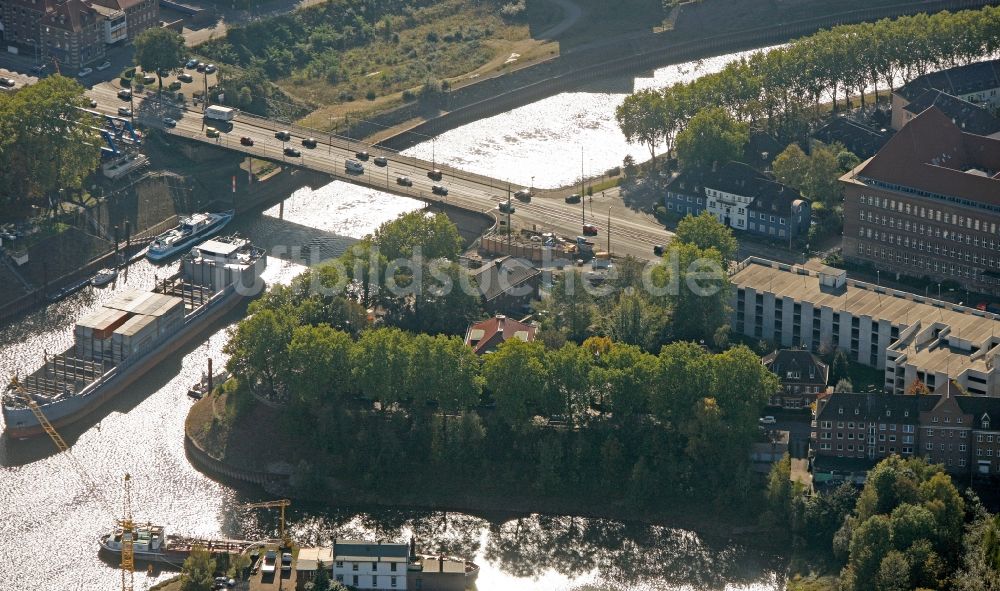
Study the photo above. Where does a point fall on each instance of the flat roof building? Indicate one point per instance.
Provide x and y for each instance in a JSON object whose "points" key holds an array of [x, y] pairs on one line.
{"points": [[909, 336]]}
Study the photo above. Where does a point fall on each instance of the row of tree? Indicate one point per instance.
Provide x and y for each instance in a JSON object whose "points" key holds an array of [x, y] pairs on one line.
{"points": [[778, 86], [48, 145]]}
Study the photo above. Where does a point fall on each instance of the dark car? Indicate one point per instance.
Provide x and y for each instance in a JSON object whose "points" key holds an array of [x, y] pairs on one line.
{"points": [[185, 77], [200, 67], [6, 82], [309, 142], [246, 141], [361, 155], [505, 207], [124, 111], [658, 250], [125, 94], [93, 104], [381, 161], [523, 195], [191, 64], [39, 69], [404, 181], [439, 190], [290, 151], [210, 69], [589, 230], [283, 135], [434, 175], [574, 198]]}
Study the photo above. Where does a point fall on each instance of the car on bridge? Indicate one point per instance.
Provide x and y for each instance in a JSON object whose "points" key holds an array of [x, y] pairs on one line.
{"points": [[283, 135], [523, 195], [404, 181], [125, 111], [246, 141], [589, 230], [362, 155], [290, 151], [354, 166], [211, 132], [185, 77], [574, 198], [170, 122], [380, 161], [439, 190], [505, 207], [435, 175], [309, 142]]}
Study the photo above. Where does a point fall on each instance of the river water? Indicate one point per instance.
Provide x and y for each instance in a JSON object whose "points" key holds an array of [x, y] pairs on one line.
{"points": [[50, 519]]}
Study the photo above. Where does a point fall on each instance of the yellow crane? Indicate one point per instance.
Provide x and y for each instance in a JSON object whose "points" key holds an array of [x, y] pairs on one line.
{"points": [[281, 504], [126, 523]]}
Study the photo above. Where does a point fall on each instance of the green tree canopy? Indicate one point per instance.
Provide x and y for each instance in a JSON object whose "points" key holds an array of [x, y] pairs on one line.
{"points": [[515, 376], [434, 236], [159, 49], [711, 137], [705, 231], [198, 570]]}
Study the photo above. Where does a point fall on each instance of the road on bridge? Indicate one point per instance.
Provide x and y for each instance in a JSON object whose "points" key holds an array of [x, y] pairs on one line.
{"points": [[632, 232]]}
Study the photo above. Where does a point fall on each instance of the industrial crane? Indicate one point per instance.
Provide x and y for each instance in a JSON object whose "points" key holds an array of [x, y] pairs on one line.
{"points": [[125, 523], [281, 503]]}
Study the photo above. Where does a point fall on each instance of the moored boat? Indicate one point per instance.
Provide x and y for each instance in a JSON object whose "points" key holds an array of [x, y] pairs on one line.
{"points": [[104, 277], [150, 544], [189, 231]]}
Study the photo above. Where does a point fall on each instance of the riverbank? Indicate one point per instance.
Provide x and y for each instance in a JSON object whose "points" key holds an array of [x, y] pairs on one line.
{"points": [[258, 444]]}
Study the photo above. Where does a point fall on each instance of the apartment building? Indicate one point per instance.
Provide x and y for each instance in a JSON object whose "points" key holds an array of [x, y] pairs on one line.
{"points": [[910, 336], [852, 432], [928, 205], [73, 34], [742, 198], [21, 20], [802, 375], [976, 83], [367, 565]]}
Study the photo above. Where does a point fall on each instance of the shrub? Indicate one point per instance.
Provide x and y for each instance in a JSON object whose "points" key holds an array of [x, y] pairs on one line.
{"points": [[370, 95], [613, 171], [409, 96], [432, 37]]}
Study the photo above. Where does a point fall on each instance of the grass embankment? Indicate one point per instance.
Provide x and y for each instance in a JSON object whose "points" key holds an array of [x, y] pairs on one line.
{"points": [[813, 583]]}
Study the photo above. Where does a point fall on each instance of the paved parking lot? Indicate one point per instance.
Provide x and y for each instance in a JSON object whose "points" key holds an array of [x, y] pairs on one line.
{"points": [[20, 80]]}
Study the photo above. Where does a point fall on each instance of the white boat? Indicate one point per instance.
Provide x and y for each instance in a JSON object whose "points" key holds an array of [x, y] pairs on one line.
{"points": [[104, 277], [191, 229]]}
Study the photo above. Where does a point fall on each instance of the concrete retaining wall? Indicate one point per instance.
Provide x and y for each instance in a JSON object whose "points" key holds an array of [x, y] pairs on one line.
{"points": [[216, 468]]}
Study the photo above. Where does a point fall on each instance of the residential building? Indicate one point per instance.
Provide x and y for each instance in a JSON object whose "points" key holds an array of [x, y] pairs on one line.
{"points": [[507, 284], [139, 14], [742, 198], [486, 336], [975, 83], [862, 140], [852, 432], [910, 337], [21, 20], [73, 34], [802, 375], [368, 565], [441, 573], [928, 205], [969, 117], [308, 562]]}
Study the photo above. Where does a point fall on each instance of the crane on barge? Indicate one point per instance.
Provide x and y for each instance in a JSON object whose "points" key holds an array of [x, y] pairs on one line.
{"points": [[126, 523]]}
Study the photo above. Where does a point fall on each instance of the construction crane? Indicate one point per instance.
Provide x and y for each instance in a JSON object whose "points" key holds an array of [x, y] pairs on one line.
{"points": [[281, 504], [126, 523]]}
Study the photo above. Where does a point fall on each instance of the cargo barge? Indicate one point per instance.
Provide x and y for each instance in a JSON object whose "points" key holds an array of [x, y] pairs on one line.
{"points": [[151, 545], [118, 343]]}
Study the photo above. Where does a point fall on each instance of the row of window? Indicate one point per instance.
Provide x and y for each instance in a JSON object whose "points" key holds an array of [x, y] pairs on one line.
{"points": [[921, 262], [354, 565], [928, 213], [906, 450], [356, 580], [929, 247], [928, 230]]}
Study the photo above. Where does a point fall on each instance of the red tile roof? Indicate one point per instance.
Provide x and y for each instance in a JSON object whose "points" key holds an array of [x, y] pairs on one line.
{"points": [[487, 335], [932, 154]]}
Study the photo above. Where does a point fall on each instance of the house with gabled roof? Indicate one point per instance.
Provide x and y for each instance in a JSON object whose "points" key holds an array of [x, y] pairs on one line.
{"points": [[486, 336], [802, 375]]}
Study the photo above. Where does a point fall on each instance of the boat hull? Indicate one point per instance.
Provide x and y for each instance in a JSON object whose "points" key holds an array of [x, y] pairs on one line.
{"points": [[159, 255], [20, 423]]}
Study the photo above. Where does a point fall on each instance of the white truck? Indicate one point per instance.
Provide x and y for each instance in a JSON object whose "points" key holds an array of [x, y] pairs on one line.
{"points": [[220, 113]]}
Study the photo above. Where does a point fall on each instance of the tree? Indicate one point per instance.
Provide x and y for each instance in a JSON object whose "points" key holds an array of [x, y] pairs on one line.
{"points": [[780, 493], [380, 362], [705, 231], [319, 363], [711, 137], [515, 375], [843, 385], [322, 580], [641, 117], [839, 367], [791, 167], [432, 236], [893, 573], [159, 50], [198, 571], [569, 306], [696, 290], [258, 351], [634, 320], [569, 379]]}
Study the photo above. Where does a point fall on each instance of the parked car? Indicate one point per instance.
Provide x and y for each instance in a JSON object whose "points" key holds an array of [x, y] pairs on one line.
{"points": [[439, 190], [104, 66], [85, 72], [283, 135], [191, 64], [362, 155], [170, 122], [290, 151], [505, 207], [574, 198], [589, 230], [309, 142], [523, 195], [211, 132], [768, 420], [93, 104], [286, 561], [125, 111], [7, 82], [658, 250], [404, 181], [246, 141], [125, 94], [185, 77], [148, 79], [210, 69], [200, 67], [269, 562], [434, 175]]}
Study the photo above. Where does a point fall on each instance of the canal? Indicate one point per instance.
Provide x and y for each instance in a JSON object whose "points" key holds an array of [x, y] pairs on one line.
{"points": [[49, 521]]}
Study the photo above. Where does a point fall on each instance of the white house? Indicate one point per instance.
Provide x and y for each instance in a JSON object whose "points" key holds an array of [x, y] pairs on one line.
{"points": [[368, 565]]}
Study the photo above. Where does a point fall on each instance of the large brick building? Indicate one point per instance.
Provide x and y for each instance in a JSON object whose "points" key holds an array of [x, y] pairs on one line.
{"points": [[852, 432], [976, 83], [913, 338], [802, 375], [73, 34], [928, 205]]}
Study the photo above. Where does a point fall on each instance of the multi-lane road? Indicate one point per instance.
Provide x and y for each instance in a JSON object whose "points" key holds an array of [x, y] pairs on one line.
{"points": [[631, 232]]}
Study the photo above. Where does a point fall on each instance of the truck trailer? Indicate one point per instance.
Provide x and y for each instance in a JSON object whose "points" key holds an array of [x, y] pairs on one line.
{"points": [[220, 113]]}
